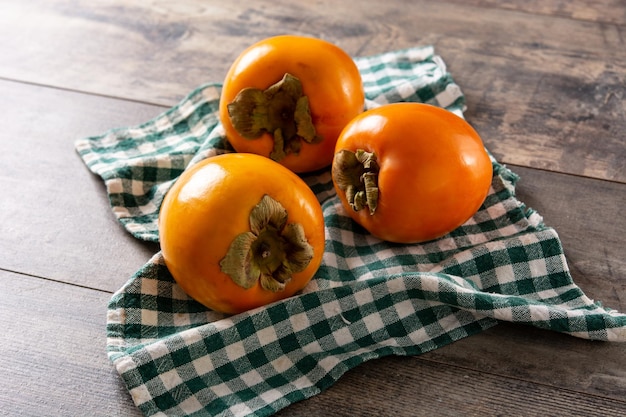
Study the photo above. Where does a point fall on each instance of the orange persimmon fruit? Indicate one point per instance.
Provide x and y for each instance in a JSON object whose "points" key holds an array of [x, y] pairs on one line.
{"points": [[239, 231], [410, 172], [288, 97]]}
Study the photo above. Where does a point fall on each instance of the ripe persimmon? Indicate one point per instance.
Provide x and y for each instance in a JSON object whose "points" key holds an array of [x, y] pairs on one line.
{"points": [[410, 172], [239, 231], [288, 98]]}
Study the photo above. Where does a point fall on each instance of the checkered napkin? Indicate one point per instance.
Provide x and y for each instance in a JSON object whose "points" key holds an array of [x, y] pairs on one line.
{"points": [[369, 298]]}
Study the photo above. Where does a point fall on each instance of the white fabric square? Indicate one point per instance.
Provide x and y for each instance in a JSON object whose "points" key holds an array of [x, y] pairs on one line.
{"points": [[267, 335], [364, 297], [282, 364], [329, 363], [252, 378], [149, 317], [203, 365], [299, 322], [158, 350], [171, 379], [190, 405], [235, 351], [270, 396], [240, 409], [505, 314], [404, 309], [140, 394], [343, 336], [149, 286], [504, 273], [125, 364], [181, 319], [115, 186], [373, 323], [538, 267], [221, 390]]}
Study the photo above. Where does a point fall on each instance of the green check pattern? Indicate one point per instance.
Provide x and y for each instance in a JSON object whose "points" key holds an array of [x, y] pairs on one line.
{"points": [[369, 298]]}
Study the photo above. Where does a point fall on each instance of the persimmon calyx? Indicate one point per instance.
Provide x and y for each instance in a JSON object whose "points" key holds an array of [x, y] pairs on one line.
{"points": [[271, 252], [356, 174], [282, 111]]}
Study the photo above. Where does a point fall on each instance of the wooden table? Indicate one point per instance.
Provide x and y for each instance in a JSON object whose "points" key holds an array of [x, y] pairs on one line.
{"points": [[546, 88]]}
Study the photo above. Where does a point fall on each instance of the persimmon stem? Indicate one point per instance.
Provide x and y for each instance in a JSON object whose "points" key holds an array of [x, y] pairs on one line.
{"points": [[282, 110], [356, 174], [271, 252]]}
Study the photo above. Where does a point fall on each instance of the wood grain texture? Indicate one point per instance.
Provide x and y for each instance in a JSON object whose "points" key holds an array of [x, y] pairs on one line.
{"points": [[490, 374], [602, 11], [50, 242], [547, 82], [53, 351], [57, 222], [588, 215], [542, 357], [539, 362], [412, 387]]}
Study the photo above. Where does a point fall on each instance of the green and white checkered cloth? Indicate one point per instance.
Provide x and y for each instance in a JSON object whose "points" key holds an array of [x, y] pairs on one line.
{"points": [[369, 298]]}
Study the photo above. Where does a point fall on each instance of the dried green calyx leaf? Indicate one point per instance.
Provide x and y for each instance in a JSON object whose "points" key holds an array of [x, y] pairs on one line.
{"points": [[356, 174], [271, 252], [282, 111]]}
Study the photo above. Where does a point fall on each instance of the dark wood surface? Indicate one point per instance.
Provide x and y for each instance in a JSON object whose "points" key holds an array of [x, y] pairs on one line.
{"points": [[546, 88]]}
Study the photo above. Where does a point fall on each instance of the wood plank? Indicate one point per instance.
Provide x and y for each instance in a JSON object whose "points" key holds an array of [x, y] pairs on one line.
{"points": [[77, 240], [588, 215], [54, 365], [538, 86], [605, 11], [551, 194], [542, 357], [57, 222], [408, 387], [53, 351], [546, 366]]}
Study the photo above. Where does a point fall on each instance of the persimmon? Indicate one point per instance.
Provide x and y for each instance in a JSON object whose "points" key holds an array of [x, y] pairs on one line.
{"points": [[410, 172], [288, 98], [239, 231]]}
